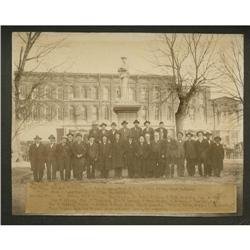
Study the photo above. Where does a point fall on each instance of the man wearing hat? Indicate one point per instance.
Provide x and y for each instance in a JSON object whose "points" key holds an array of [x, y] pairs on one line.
{"points": [[105, 156], [94, 131], [112, 132], [148, 130], [180, 154], [70, 141], [103, 131], [208, 165], [162, 131], [37, 158], [63, 152], [217, 155], [190, 154], [50, 158], [79, 153], [136, 131], [201, 149], [92, 157], [124, 131]]}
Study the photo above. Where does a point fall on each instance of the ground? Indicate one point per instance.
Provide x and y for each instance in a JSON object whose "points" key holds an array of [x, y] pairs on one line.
{"points": [[21, 175]]}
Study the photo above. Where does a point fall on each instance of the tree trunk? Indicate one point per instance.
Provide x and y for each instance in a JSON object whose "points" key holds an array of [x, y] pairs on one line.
{"points": [[180, 115]]}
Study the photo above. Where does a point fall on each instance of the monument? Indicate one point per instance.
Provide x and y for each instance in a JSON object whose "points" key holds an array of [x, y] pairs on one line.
{"points": [[125, 110]]}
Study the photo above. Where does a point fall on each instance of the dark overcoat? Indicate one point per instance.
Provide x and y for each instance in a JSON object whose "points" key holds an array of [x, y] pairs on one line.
{"points": [[190, 149], [95, 133], [149, 131], [37, 156], [111, 135], [129, 154], [217, 156], [118, 154], [201, 149], [105, 156], [124, 132], [135, 133], [163, 132], [79, 151]]}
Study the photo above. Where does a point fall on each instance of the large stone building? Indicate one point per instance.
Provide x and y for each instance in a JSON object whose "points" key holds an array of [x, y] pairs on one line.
{"points": [[71, 102]]}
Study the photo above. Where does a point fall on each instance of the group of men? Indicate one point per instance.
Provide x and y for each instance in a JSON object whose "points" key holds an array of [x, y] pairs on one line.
{"points": [[135, 152]]}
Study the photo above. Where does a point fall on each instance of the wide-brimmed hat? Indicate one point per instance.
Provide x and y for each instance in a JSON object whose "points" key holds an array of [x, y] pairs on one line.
{"points": [[124, 122], [189, 133], [161, 122], [103, 124], [70, 134], [179, 132], [37, 137], [208, 133], [64, 137], [91, 136], [113, 124], [136, 121], [146, 122], [200, 132], [217, 138], [51, 137], [78, 134]]}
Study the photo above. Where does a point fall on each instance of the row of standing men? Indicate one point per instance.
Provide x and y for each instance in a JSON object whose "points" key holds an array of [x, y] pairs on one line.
{"points": [[136, 152]]}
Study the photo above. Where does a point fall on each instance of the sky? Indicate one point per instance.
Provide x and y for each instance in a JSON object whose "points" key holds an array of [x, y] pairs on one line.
{"points": [[99, 52]]}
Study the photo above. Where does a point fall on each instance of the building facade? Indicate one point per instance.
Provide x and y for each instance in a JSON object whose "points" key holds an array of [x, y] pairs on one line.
{"points": [[65, 102]]}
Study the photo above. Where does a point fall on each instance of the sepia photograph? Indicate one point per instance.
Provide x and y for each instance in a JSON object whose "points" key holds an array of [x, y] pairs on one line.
{"points": [[120, 123]]}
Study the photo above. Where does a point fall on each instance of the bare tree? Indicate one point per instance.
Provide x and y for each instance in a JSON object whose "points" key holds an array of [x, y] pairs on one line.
{"points": [[23, 104], [189, 58], [231, 70]]}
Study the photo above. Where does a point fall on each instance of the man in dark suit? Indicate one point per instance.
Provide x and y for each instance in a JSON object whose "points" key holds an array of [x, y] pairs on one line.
{"points": [[51, 161], [148, 167], [103, 131], [112, 132], [158, 157], [148, 130], [70, 142], [180, 155], [162, 131], [140, 153], [129, 154], [124, 131], [63, 152], [208, 165], [201, 150], [79, 153], [92, 157], [105, 156], [136, 131], [94, 131], [37, 158], [217, 155], [190, 154], [118, 155]]}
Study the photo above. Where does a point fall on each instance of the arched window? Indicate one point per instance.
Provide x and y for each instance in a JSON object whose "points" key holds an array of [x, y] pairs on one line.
{"points": [[60, 113], [60, 93], [157, 112], [95, 115], [83, 92], [95, 93], [84, 113], [106, 112], [106, 93], [118, 93], [131, 94]]}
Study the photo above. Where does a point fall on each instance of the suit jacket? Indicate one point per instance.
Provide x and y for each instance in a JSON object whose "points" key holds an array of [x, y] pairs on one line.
{"points": [[92, 151], [79, 148], [157, 150], [180, 152], [118, 154], [136, 133], [129, 151], [217, 154], [163, 133], [170, 148], [50, 152], [140, 151], [150, 131], [209, 151], [124, 134], [201, 149], [63, 151], [111, 135], [190, 149], [95, 133], [36, 155], [102, 133]]}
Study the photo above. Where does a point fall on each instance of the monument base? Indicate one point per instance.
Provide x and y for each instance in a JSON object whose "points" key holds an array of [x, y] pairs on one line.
{"points": [[127, 112]]}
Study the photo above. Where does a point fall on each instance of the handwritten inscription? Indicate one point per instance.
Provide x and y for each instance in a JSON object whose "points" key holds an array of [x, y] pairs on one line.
{"points": [[117, 199]]}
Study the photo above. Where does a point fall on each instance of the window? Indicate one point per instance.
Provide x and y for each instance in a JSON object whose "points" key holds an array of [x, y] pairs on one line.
{"points": [[76, 92], [41, 92], [36, 113], [84, 113], [66, 93], [106, 93], [170, 113], [53, 93], [95, 93], [53, 112], [47, 92], [60, 93], [106, 112], [95, 113], [144, 94], [84, 92], [48, 113], [60, 113], [131, 94], [118, 93], [34, 93], [72, 112], [144, 113], [65, 112], [156, 93], [71, 92], [157, 112], [41, 112]]}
